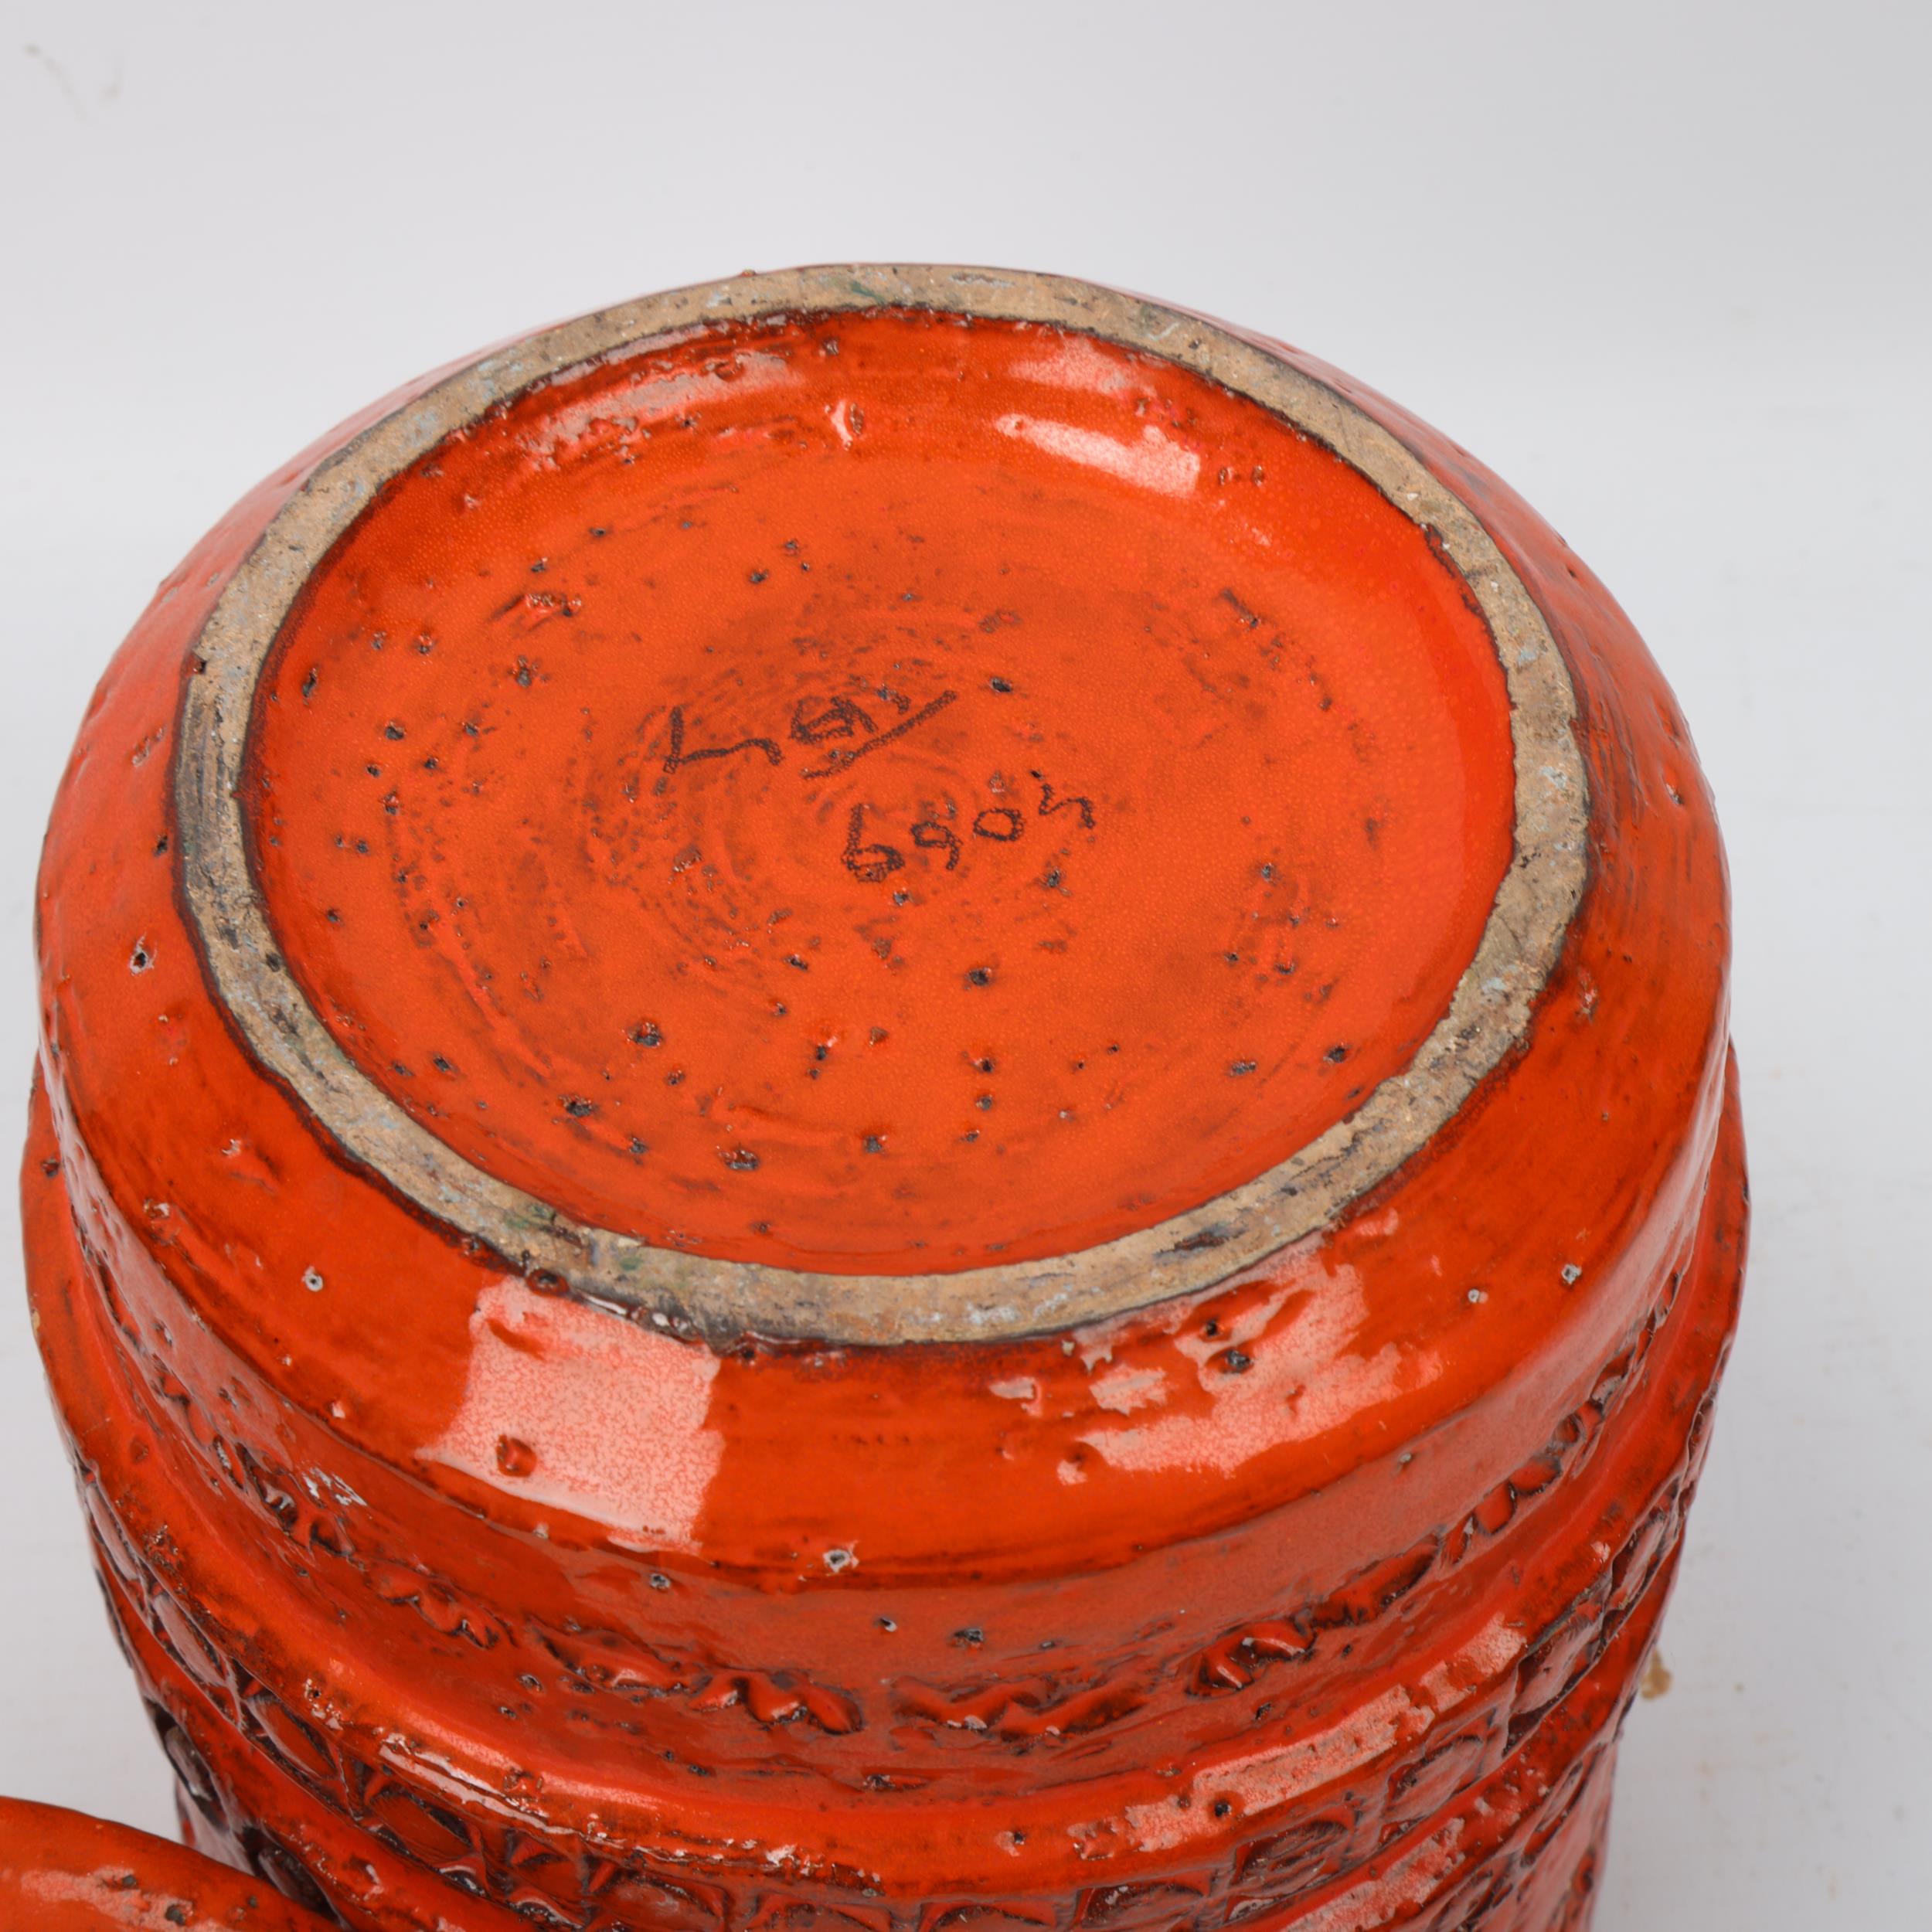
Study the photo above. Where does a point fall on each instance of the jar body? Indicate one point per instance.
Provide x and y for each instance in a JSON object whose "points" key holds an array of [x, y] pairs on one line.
{"points": [[1312, 1593]]}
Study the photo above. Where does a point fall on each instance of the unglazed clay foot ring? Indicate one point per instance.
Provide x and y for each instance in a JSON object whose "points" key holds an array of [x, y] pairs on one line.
{"points": [[1185, 1251]]}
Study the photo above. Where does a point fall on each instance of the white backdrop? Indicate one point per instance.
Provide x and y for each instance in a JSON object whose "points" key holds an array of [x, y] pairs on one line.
{"points": [[1665, 268]]}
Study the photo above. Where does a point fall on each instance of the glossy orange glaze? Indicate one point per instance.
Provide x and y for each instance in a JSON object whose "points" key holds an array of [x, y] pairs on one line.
{"points": [[62, 1872], [1116, 1754], [761, 1624], [570, 810]]}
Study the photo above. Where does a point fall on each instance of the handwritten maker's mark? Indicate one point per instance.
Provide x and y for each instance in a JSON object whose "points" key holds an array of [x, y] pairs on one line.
{"points": [[818, 721], [815, 721]]}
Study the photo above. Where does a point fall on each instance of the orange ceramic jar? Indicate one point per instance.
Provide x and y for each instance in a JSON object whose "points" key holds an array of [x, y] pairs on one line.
{"points": [[891, 1098], [62, 1872]]}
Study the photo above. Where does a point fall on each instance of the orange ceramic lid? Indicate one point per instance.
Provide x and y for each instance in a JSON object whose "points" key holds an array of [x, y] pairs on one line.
{"points": [[61, 1871]]}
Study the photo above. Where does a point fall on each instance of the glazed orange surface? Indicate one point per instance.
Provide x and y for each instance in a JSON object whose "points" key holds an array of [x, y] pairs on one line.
{"points": [[872, 793], [1312, 1595]]}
